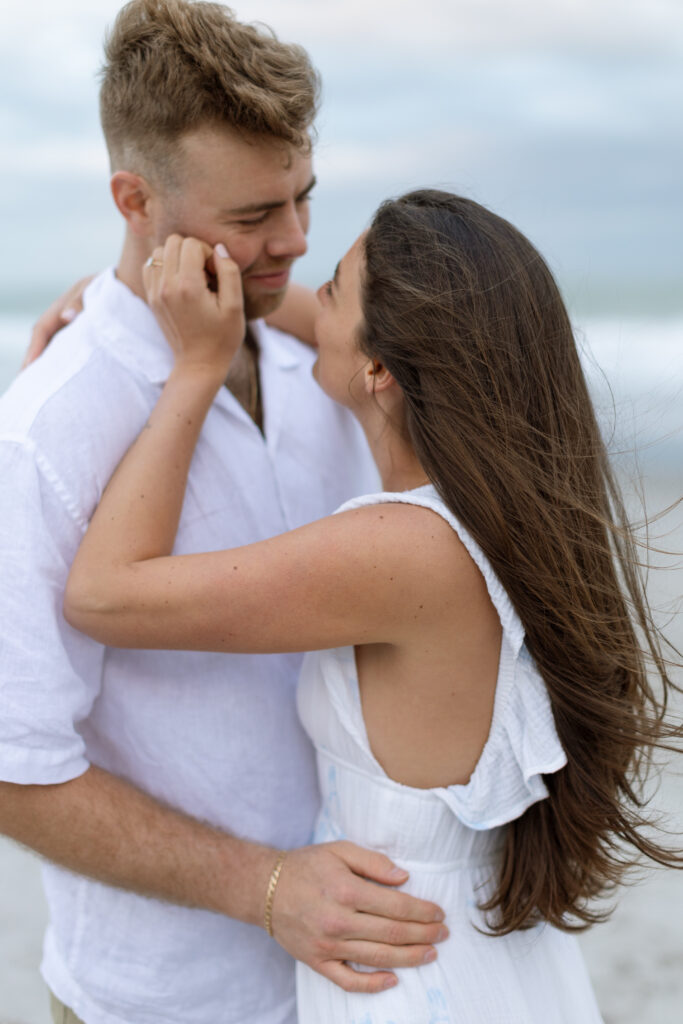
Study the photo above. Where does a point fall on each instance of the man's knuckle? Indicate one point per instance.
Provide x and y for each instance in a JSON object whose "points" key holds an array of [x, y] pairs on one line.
{"points": [[377, 957], [355, 981], [346, 894], [325, 947], [395, 935], [332, 925], [361, 986], [391, 907], [407, 908]]}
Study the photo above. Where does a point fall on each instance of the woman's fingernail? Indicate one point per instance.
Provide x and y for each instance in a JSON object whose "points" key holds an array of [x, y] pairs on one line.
{"points": [[429, 957], [398, 873], [222, 251], [67, 314], [443, 934], [390, 983]]}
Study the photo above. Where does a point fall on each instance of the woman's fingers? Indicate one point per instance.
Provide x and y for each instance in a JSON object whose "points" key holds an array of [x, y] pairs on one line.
{"points": [[151, 274], [171, 258], [160, 271], [203, 325], [230, 295], [194, 255], [61, 312]]}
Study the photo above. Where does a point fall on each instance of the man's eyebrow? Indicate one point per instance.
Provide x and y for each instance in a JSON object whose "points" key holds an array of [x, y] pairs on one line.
{"points": [[265, 207]]}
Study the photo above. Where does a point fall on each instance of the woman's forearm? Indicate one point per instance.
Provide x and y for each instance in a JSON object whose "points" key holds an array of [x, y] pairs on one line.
{"points": [[139, 512], [138, 515]]}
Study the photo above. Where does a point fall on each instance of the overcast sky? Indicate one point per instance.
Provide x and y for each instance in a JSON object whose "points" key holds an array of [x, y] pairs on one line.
{"points": [[563, 116]]}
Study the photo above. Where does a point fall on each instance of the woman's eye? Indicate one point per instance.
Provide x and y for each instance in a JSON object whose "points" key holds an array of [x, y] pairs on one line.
{"points": [[327, 288]]}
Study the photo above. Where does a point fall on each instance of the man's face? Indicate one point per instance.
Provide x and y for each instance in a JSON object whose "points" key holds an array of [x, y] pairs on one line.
{"points": [[253, 197]]}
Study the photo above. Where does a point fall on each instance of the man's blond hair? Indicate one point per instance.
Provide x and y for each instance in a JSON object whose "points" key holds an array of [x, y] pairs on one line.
{"points": [[173, 66]]}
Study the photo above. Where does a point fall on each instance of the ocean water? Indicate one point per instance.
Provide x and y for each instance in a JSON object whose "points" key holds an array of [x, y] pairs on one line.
{"points": [[634, 367]]}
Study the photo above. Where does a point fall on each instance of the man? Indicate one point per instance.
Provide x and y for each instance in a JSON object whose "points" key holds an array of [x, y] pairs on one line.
{"points": [[141, 773]]}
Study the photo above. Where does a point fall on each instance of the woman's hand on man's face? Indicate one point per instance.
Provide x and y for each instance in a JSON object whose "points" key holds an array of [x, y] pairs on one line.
{"points": [[196, 295]]}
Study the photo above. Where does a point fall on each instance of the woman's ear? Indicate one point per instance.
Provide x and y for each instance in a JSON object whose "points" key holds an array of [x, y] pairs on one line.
{"points": [[377, 377], [133, 197]]}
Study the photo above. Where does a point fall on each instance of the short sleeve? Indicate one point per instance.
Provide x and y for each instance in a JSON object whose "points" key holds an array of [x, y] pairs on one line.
{"points": [[49, 673]]}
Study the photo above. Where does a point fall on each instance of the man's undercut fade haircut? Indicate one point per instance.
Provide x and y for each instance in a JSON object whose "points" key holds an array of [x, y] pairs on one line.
{"points": [[174, 66]]}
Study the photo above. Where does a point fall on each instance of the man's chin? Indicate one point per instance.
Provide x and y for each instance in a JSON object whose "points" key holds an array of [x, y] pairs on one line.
{"points": [[258, 306]]}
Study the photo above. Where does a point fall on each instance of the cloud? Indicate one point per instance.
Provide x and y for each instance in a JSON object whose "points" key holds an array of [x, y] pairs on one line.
{"points": [[56, 158], [379, 161], [455, 26], [562, 114], [439, 26]]}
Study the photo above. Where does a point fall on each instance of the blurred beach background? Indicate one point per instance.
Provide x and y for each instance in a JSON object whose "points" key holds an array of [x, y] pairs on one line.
{"points": [[564, 117]]}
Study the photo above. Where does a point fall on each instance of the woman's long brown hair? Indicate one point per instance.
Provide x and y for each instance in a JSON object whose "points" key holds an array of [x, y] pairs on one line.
{"points": [[466, 315]]}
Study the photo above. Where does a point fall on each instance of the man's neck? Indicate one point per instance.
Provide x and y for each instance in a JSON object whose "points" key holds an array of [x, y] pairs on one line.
{"points": [[129, 269], [243, 379]]}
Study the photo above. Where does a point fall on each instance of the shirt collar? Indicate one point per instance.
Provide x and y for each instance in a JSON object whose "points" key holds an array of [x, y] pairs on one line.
{"points": [[127, 327]]}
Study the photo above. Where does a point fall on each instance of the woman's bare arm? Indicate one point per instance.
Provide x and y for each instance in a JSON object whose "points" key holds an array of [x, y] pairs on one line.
{"points": [[332, 583], [328, 584]]}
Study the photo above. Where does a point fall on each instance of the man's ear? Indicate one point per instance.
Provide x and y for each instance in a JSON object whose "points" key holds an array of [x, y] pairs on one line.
{"points": [[377, 377], [132, 195]]}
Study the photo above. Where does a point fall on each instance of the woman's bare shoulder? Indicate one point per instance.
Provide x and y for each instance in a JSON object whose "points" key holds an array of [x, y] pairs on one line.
{"points": [[413, 543]]}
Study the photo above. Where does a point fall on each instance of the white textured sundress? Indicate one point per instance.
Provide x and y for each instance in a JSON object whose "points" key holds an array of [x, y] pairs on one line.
{"points": [[448, 838]]}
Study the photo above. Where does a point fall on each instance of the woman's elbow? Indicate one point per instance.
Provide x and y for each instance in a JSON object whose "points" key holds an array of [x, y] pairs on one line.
{"points": [[86, 607]]}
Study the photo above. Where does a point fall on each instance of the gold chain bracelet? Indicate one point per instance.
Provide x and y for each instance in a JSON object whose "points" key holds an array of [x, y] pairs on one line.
{"points": [[270, 892]]}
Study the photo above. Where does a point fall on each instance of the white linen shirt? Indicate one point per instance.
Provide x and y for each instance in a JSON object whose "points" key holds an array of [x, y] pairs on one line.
{"points": [[214, 735]]}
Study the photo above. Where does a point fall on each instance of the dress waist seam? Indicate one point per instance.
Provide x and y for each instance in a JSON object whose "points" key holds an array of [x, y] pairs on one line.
{"points": [[469, 863]]}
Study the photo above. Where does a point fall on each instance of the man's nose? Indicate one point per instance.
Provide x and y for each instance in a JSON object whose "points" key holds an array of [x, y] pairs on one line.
{"points": [[289, 236]]}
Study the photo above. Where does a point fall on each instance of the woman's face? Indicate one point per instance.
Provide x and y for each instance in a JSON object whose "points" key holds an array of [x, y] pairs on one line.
{"points": [[340, 367]]}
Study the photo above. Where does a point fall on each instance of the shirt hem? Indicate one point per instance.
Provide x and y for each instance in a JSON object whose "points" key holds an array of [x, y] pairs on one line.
{"points": [[32, 773], [62, 985]]}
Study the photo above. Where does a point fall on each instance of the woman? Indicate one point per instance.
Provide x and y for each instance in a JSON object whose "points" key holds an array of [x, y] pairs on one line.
{"points": [[476, 691]]}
